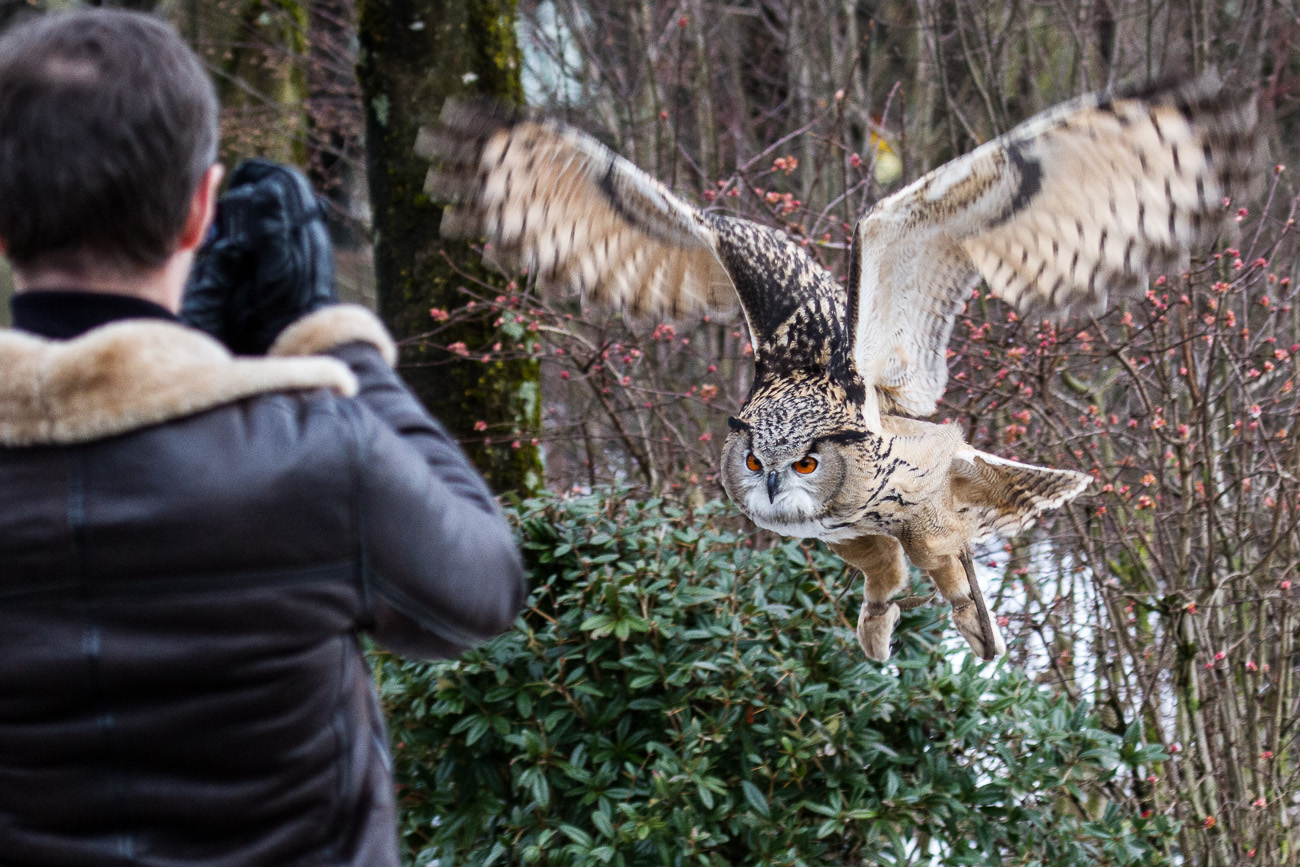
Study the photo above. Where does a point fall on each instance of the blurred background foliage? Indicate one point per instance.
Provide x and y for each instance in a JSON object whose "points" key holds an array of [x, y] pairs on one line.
{"points": [[1164, 599]]}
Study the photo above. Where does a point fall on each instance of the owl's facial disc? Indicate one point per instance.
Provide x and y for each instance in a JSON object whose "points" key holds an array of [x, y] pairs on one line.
{"points": [[784, 477], [779, 488], [804, 466]]}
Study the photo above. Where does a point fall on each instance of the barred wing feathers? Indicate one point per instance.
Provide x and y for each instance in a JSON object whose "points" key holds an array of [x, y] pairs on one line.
{"points": [[1072, 206], [555, 201], [1001, 497]]}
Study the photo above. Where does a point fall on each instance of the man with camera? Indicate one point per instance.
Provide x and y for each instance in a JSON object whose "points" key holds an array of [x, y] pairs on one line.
{"points": [[200, 517]]}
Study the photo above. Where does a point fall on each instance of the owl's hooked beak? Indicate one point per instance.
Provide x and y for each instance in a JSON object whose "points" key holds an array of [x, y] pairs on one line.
{"points": [[773, 482]]}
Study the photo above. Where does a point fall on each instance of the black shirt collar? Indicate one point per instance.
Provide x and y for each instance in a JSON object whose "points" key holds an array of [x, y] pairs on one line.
{"points": [[66, 313]]}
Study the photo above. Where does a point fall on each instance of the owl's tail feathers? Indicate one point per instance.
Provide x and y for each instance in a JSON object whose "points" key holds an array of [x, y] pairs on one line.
{"points": [[1002, 497]]}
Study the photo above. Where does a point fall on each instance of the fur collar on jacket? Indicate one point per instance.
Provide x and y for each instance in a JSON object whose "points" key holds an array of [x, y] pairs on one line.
{"points": [[135, 373]]}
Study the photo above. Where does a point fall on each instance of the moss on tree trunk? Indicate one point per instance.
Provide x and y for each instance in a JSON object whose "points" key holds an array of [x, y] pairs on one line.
{"points": [[415, 54]]}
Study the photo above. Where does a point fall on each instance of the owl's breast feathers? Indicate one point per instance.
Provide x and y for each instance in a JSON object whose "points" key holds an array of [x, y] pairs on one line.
{"points": [[904, 476]]}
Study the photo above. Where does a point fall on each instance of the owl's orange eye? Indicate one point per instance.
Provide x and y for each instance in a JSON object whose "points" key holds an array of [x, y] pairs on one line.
{"points": [[752, 463], [805, 464]]}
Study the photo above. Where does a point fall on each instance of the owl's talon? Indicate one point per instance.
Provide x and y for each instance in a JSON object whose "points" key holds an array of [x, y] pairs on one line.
{"points": [[966, 617], [876, 622]]}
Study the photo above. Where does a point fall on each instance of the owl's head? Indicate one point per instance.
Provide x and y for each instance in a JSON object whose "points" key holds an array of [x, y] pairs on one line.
{"points": [[788, 477]]}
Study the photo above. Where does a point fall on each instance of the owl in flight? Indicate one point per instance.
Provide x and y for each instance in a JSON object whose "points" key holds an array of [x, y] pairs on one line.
{"points": [[1069, 208]]}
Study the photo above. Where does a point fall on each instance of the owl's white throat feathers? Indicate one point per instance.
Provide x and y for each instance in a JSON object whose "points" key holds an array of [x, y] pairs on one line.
{"points": [[793, 511]]}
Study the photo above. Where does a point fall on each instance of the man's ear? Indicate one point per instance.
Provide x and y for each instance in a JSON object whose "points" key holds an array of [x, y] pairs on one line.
{"points": [[202, 207]]}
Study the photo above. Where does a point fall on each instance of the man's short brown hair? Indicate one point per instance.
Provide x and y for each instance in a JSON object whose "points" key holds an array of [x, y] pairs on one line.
{"points": [[107, 124]]}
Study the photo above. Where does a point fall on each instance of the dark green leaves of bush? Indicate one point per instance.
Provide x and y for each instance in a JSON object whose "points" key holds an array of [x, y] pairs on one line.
{"points": [[674, 696]]}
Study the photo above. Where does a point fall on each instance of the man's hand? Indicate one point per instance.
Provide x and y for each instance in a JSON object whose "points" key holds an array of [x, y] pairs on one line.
{"points": [[268, 262]]}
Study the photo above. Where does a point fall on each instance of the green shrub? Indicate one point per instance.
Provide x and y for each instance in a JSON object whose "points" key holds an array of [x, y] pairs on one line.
{"points": [[675, 696]]}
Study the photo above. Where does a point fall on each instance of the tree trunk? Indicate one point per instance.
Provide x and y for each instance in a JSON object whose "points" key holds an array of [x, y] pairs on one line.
{"points": [[334, 124], [415, 54]]}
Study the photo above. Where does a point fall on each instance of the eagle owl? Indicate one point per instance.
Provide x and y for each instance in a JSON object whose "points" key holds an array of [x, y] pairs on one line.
{"points": [[1068, 208]]}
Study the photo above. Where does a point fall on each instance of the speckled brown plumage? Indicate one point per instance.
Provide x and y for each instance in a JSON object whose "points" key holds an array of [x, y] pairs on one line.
{"points": [[1076, 204]]}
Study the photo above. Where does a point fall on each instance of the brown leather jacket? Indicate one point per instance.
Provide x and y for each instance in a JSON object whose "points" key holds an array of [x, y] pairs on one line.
{"points": [[190, 545]]}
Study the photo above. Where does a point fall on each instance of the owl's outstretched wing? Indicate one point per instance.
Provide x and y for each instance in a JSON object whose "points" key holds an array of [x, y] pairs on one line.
{"points": [[1078, 203], [578, 216], [555, 201], [1001, 497]]}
